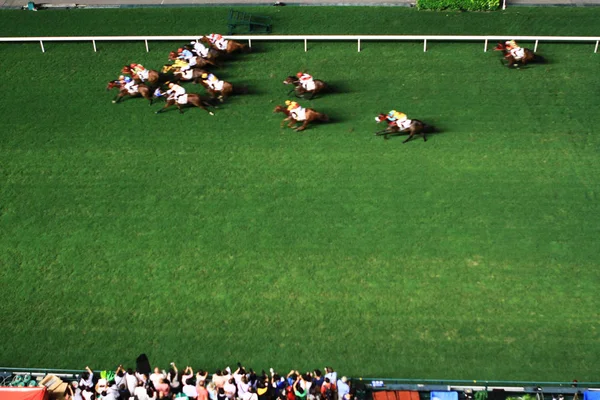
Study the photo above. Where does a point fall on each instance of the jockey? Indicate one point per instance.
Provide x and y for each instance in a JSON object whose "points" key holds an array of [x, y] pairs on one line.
{"points": [[212, 81], [306, 80], [188, 56], [399, 119], [296, 110], [140, 71], [218, 41], [128, 84], [177, 93], [200, 49], [515, 50]]}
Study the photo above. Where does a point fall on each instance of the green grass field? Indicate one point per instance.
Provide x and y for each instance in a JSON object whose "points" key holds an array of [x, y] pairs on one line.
{"points": [[208, 240]]}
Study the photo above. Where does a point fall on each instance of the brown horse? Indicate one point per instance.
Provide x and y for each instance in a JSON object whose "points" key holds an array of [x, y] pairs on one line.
{"points": [[154, 77], [512, 62], [232, 46], [142, 90], [310, 116], [196, 75], [300, 90], [225, 91], [192, 99], [200, 62], [415, 127]]}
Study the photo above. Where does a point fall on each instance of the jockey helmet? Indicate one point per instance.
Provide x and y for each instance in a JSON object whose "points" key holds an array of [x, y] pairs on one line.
{"points": [[204, 76], [288, 102], [171, 84], [121, 77], [299, 74], [127, 79], [391, 113]]}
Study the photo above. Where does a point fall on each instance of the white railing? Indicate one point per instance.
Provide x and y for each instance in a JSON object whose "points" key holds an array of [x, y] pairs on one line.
{"points": [[316, 38]]}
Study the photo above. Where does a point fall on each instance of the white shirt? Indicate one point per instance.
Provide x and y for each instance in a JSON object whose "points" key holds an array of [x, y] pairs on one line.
{"points": [[190, 391], [141, 393], [332, 377], [249, 396], [131, 381], [155, 378]]}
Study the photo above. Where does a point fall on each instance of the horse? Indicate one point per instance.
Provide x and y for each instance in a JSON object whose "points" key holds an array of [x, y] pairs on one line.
{"points": [[226, 90], [415, 127], [192, 99], [310, 116], [511, 62], [300, 90], [154, 77], [200, 62], [232, 46], [142, 90]]}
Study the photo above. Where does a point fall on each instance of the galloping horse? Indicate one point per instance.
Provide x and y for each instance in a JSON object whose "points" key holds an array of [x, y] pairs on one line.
{"points": [[142, 90], [300, 90], [415, 127], [232, 46], [511, 61], [309, 116], [193, 75], [200, 62], [222, 92], [192, 99]]}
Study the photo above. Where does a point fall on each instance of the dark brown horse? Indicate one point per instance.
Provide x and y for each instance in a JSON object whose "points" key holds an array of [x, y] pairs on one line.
{"points": [[310, 116], [300, 90], [415, 127], [232, 46], [196, 75], [142, 90], [192, 99], [512, 62], [200, 62]]}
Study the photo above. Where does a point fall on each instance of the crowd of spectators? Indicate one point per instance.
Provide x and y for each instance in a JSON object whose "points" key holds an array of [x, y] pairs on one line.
{"points": [[241, 384]]}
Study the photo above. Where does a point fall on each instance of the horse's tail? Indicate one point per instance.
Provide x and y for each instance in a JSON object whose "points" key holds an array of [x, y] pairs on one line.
{"points": [[538, 59], [242, 89], [323, 117]]}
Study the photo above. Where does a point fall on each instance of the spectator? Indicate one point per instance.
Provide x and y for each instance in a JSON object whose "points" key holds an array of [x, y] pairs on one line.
{"points": [[218, 379], [157, 376], [74, 391], [221, 394], [342, 388], [163, 388], [212, 391], [124, 393], [230, 388], [87, 378], [201, 390], [250, 394], [120, 376], [87, 393], [332, 375], [131, 380], [201, 377], [140, 392], [174, 379], [189, 388], [327, 389], [318, 378]]}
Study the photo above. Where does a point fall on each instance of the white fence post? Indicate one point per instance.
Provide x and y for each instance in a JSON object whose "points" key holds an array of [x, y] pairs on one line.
{"points": [[535, 48], [596, 49], [305, 45], [94, 43], [42, 44], [485, 46], [359, 45], [147, 49], [424, 45], [250, 43]]}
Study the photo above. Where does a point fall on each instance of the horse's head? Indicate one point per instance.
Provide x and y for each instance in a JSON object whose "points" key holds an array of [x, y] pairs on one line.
{"points": [[113, 84], [205, 39], [126, 69], [290, 80], [173, 55], [380, 118], [500, 47], [281, 109]]}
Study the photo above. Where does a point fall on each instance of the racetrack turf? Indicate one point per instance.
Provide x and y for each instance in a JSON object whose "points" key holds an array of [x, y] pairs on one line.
{"points": [[208, 240]]}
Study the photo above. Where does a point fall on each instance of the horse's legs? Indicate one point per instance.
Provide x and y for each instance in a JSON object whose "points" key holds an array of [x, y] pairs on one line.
{"points": [[169, 104], [411, 133], [303, 126]]}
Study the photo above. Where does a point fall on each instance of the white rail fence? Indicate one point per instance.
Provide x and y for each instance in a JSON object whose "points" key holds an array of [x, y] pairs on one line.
{"points": [[314, 38]]}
